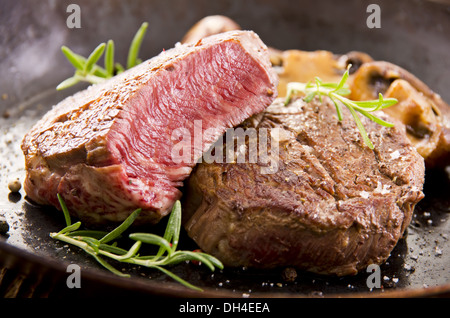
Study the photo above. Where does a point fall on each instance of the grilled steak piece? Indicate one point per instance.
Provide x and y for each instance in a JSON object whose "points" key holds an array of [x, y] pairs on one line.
{"points": [[333, 206], [108, 149]]}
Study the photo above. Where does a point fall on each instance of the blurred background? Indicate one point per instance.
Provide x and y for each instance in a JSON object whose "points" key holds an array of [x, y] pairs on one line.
{"points": [[413, 34]]}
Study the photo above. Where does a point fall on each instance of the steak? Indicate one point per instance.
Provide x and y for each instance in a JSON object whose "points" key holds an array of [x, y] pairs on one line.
{"points": [[107, 150], [332, 205]]}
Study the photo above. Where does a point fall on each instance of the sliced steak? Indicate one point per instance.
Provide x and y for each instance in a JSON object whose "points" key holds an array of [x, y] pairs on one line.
{"points": [[108, 149], [333, 206]]}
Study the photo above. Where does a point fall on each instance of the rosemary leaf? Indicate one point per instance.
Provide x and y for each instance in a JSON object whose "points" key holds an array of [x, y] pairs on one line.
{"points": [[337, 92], [170, 232], [112, 249], [73, 58], [177, 278], [379, 121], [149, 238], [217, 263], [121, 228], [94, 57], [63, 205], [338, 109], [361, 128], [131, 252], [119, 68], [99, 71], [109, 58], [188, 255], [86, 69], [371, 105], [69, 82], [136, 45], [88, 233], [95, 244], [175, 224], [109, 266], [93, 79], [70, 228]]}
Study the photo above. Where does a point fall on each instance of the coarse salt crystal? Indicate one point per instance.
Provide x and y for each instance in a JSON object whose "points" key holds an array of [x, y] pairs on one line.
{"points": [[383, 189], [395, 155], [364, 194]]}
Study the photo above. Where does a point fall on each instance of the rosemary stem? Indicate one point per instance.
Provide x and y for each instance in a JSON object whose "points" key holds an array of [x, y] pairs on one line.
{"points": [[337, 92], [95, 244], [73, 241]]}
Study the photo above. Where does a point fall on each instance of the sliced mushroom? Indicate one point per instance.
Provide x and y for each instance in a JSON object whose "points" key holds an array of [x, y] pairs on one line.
{"points": [[425, 114], [304, 66], [354, 58], [209, 25], [413, 109], [215, 24]]}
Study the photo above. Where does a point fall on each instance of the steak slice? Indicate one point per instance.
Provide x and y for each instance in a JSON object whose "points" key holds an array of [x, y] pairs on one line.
{"points": [[108, 149], [333, 206]]}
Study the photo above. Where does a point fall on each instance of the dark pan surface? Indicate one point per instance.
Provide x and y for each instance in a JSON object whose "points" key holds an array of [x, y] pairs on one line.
{"points": [[414, 34]]}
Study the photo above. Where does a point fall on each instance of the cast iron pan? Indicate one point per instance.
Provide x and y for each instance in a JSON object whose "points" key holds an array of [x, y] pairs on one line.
{"points": [[413, 34]]}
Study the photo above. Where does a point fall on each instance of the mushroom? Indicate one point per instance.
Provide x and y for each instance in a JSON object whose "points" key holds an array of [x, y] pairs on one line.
{"points": [[425, 115], [354, 58], [209, 25], [305, 66]]}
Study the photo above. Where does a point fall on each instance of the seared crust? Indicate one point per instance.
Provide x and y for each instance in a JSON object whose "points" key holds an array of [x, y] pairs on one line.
{"points": [[334, 206], [107, 150]]}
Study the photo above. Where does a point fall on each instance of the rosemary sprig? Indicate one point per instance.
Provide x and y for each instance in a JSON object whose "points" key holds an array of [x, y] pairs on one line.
{"points": [[87, 69], [337, 92], [102, 245]]}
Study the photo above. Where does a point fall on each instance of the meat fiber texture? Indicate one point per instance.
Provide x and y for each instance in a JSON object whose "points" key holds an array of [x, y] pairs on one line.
{"points": [[332, 206], [107, 149]]}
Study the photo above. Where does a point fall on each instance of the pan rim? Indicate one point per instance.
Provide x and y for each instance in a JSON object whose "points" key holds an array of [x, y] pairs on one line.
{"points": [[51, 266]]}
